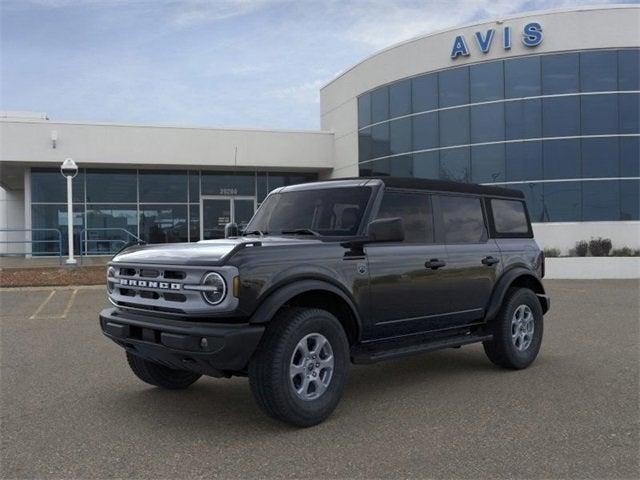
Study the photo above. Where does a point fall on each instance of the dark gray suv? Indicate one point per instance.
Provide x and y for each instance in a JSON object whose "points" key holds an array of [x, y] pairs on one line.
{"points": [[329, 273]]}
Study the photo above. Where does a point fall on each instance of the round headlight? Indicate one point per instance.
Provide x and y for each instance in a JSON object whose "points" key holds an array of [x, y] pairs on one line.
{"points": [[111, 273], [216, 289]]}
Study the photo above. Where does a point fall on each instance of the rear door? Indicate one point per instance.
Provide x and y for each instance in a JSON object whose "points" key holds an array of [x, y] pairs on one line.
{"points": [[473, 259]]}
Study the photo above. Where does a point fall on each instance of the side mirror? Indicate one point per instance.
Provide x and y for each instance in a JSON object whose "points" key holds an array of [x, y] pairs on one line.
{"points": [[230, 230], [386, 230]]}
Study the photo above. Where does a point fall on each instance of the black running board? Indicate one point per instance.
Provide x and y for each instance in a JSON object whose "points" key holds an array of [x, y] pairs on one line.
{"points": [[377, 353]]}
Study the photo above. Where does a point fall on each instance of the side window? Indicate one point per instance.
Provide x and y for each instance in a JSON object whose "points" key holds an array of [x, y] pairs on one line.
{"points": [[415, 211], [509, 217], [462, 219]]}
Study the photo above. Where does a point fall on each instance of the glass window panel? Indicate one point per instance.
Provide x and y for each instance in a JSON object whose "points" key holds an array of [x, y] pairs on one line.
{"points": [[112, 186], [454, 87], [562, 201], [522, 77], [523, 119], [55, 216], [424, 93], [600, 201], [163, 224], [630, 157], [226, 183], [561, 159], [262, 186], [630, 200], [400, 135], [487, 123], [629, 69], [107, 226], [365, 145], [194, 223], [364, 170], [599, 114], [487, 163], [560, 73], [163, 186], [523, 161], [283, 179], [364, 110], [400, 98], [48, 185], [415, 211], [380, 168], [629, 112], [454, 127], [462, 219], [425, 131], [487, 81], [599, 71], [454, 164], [380, 140], [533, 196], [380, 104], [194, 186], [426, 165], [561, 116], [401, 166], [509, 216], [600, 157]]}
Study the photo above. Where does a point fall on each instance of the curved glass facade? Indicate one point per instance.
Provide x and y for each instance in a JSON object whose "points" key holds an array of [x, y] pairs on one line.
{"points": [[563, 128]]}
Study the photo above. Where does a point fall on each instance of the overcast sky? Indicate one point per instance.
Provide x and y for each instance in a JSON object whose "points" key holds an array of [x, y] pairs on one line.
{"points": [[247, 63]]}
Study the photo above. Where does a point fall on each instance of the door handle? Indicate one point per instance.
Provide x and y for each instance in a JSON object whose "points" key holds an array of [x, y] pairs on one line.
{"points": [[434, 264], [489, 261]]}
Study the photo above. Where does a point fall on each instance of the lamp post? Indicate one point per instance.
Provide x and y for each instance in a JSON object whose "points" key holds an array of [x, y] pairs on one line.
{"points": [[69, 169]]}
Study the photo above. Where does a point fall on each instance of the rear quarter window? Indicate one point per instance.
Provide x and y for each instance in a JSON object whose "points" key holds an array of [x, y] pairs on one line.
{"points": [[510, 218]]}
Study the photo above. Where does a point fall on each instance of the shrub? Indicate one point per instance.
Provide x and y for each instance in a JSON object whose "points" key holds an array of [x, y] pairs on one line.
{"points": [[625, 252], [581, 248], [600, 247], [551, 252]]}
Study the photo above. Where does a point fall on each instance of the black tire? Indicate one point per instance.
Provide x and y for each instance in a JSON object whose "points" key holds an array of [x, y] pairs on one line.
{"points": [[159, 375], [501, 350], [269, 374]]}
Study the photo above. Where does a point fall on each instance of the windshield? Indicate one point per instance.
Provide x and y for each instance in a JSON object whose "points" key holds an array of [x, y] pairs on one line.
{"points": [[325, 212]]}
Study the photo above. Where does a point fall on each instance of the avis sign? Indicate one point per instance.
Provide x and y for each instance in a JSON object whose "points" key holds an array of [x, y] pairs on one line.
{"points": [[531, 37]]}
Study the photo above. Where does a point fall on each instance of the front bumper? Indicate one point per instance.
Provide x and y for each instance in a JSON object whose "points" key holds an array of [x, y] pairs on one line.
{"points": [[208, 348]]}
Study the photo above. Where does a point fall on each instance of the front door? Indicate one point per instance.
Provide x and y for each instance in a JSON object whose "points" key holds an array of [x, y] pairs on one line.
{"points": [[217, 211]]}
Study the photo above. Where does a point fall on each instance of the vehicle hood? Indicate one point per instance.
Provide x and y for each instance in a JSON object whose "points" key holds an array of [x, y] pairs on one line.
{"points": [[206, 252]]}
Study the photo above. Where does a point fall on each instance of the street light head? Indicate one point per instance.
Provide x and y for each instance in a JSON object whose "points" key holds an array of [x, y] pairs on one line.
{"points": [[69, 168]]}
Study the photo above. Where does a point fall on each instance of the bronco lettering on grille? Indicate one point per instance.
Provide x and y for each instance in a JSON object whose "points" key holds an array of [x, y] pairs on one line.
{"points": [[147, 284]]}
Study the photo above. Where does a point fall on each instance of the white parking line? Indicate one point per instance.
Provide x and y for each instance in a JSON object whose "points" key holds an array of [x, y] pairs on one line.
{"points": [[64, 314], [42, 305]]}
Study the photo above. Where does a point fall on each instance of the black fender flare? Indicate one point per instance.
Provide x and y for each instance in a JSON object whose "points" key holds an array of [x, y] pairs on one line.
{"points": [[281, 295], [503, 284]]}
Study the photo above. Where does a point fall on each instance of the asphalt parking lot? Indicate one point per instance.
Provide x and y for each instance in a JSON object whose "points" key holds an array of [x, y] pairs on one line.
{"points": [[71, 407]]}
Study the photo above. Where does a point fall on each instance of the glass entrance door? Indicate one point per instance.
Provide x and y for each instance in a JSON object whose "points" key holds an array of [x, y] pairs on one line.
{"points": [[217, 211]]}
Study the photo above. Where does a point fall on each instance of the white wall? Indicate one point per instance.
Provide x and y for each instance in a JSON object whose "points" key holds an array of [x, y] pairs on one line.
{"points": [[565, 235], [592, 268], [11, 216]]}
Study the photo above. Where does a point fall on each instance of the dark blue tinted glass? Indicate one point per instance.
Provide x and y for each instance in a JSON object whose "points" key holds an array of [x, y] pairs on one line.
{"points": [[48, 185], [224, 183], [380, 168], [487, 81], [561, 159], [380, 140], [522, 77], [454, 127], [599, 114], [454, 87], [380, 104], [112, 186], [523, 161], [629, 199], [194, 186], [365, 145], [400, 98], [277, 180], [107, 226], [164, 223], [560, 73], [364, 170], [523, 119], [163, 186], [629, 69], [426, 165], [599, 71], [600, 157], [194, 223], [630, 157], [487, 123], [425, 92], [562, 201], [54, 217], [262, 185], [425, 131], [600, 201], [364, 110], [533, 197], [400, 135], [454, 164], [629, 112], [561, 116], [487, 163], [401, 166]]}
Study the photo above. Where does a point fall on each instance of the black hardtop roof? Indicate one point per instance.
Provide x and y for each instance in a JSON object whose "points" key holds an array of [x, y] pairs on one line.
{"points": [[416, 184]]}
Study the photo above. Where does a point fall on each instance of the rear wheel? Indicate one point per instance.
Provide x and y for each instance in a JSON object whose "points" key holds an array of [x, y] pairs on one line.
{"points": [[517, 330], [299, 371], [159, 375]]}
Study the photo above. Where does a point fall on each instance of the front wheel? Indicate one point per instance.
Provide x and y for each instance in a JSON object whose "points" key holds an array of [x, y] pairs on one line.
{"points": [[299, 371], [517, 330]]}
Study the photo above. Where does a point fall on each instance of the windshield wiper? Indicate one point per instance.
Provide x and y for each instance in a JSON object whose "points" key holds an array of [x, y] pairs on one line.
{"points": [[254, 232], [301, 231]]}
